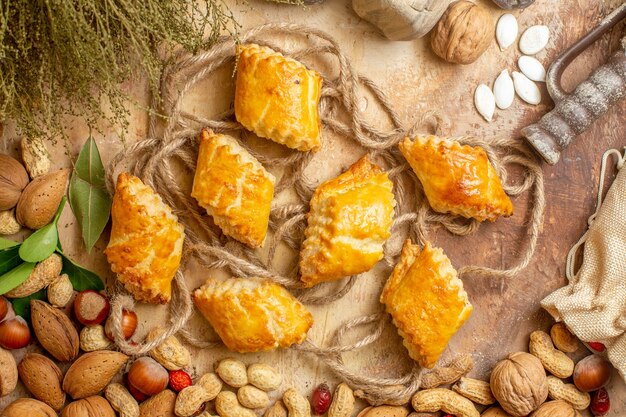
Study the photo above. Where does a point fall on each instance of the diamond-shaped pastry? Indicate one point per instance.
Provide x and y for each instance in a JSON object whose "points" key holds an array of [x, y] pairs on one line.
{"points": [[146, 242], [277, 97], [426, 300], [457, 179], [234, 188], [349, 221], [253, 315]]}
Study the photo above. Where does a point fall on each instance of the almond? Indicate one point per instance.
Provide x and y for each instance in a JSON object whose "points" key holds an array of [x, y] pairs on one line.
{"points": [[8, 372], [54, 330], [92, 372], [89, 407], [23, 407], [13, 179], [43, 379], [40, 199], [161, 405]]}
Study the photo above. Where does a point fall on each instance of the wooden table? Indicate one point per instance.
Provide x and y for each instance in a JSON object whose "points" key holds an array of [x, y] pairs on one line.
{"points": [[506, 311]]}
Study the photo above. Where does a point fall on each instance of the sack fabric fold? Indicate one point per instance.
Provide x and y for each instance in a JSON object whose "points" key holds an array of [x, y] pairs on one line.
{"points": [[593, 304]]}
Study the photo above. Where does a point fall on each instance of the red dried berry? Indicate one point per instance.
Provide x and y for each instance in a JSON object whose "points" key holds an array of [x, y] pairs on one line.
{"points": [[179, 380], [320, 400], [600, 402], [138, 395], [597, 346]]}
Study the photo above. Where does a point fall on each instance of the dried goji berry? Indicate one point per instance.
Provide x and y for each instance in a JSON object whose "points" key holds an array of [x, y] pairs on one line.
{"points": [[179, 380], [320, 400]]}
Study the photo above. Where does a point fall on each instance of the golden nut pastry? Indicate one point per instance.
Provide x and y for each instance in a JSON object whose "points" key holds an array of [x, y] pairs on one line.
{"points": [[457, 178], [234, 188], [349, 221], [253, 315], [426, 301], [146, 241], [277, 97]]}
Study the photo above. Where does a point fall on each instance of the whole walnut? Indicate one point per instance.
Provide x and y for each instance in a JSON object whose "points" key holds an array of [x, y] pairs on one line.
{"points": [[519, 383], [556, 409], [463, 33]]}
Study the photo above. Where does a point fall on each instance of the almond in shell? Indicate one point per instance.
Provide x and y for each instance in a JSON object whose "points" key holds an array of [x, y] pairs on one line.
{"points": [[161, 405], [43, 379], [89, 407], [40, 199], [92, 372], [54, 330], [8, 372], [27, 407], [13, 179]]}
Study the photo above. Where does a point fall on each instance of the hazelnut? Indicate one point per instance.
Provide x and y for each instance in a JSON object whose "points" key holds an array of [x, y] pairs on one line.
{"points": [[91, 307], [147, 376], [4, 307], [14, 333], [592, 373], [129, 325], [463, 33]]}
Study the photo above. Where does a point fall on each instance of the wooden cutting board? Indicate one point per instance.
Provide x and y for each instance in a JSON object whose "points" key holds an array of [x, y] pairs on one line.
{"points": [[505, 311]]}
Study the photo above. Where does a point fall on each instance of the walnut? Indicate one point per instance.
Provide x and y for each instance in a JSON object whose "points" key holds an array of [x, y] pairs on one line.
{"points": [[463, 33], [519, 383]]}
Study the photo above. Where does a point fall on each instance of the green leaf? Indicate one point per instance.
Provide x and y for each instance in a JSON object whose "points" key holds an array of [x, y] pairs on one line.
{"points": [[21, 306], [43, 242], [9, 259], [82, 279], [15, 277], [89, 198], [6, 243]]}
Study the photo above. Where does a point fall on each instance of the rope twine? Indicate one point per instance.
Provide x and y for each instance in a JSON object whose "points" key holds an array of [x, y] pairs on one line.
{"points": [[161, 159]]}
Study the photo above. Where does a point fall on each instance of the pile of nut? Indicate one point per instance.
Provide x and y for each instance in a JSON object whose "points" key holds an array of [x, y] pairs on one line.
{"points": [[520, 386], [27, 203]]}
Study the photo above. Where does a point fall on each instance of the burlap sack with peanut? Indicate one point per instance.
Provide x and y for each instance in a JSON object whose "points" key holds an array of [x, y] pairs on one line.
{"points": [[593, 304]]}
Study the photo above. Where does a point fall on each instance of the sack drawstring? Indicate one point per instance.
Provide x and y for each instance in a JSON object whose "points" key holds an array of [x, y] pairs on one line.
{"points": [[571, 256]]}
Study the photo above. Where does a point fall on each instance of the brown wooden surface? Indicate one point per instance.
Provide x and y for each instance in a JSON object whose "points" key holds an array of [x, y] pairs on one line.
{"points": [[506, 311]]}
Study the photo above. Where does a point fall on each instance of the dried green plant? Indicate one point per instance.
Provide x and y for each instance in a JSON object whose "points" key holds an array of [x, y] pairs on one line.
{"points": [[69, 57]]}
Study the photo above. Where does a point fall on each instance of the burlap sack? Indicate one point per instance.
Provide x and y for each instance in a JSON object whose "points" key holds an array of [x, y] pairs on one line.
{"points": [[593, 304]]}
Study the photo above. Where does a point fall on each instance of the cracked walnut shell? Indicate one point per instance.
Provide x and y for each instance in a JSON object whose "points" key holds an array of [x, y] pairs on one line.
{"points": [[463, 33]]}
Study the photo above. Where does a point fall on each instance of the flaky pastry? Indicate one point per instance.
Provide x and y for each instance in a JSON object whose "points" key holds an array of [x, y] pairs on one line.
{"points": [[253, 315], [234, 188], [146, 242], [277, 97], [457, 179], [426, 301], [348, 223]]}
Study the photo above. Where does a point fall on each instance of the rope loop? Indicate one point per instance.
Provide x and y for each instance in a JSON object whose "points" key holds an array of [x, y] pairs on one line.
{"points": [[172, 142]]}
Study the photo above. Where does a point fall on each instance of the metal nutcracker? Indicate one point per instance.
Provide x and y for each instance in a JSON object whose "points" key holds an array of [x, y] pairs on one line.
{"points": [[574, 113]]}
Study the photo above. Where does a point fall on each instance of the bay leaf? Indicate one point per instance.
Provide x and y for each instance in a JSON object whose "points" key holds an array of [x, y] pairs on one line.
{"points": [[21, 306], [15, 277], [44, 241], [82, 279], [9, 259], [6, 243], [89, 198]]}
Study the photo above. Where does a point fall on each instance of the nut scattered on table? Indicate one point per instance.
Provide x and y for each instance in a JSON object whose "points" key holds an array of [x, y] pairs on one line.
{"points": [[463, 33], [519, 383]]}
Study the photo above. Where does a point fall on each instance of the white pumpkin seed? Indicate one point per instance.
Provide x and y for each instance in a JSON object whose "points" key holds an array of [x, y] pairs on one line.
{"points": [[503, 90], [534, 39], [532, 68], [485, 102], [506, 30], [526, 89]]}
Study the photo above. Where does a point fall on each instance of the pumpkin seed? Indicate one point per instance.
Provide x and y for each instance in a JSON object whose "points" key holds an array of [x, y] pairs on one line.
{"points": [[506, 30], [485, 102], [532, 68], [503, 90], [526, 89], [534, 39]]}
